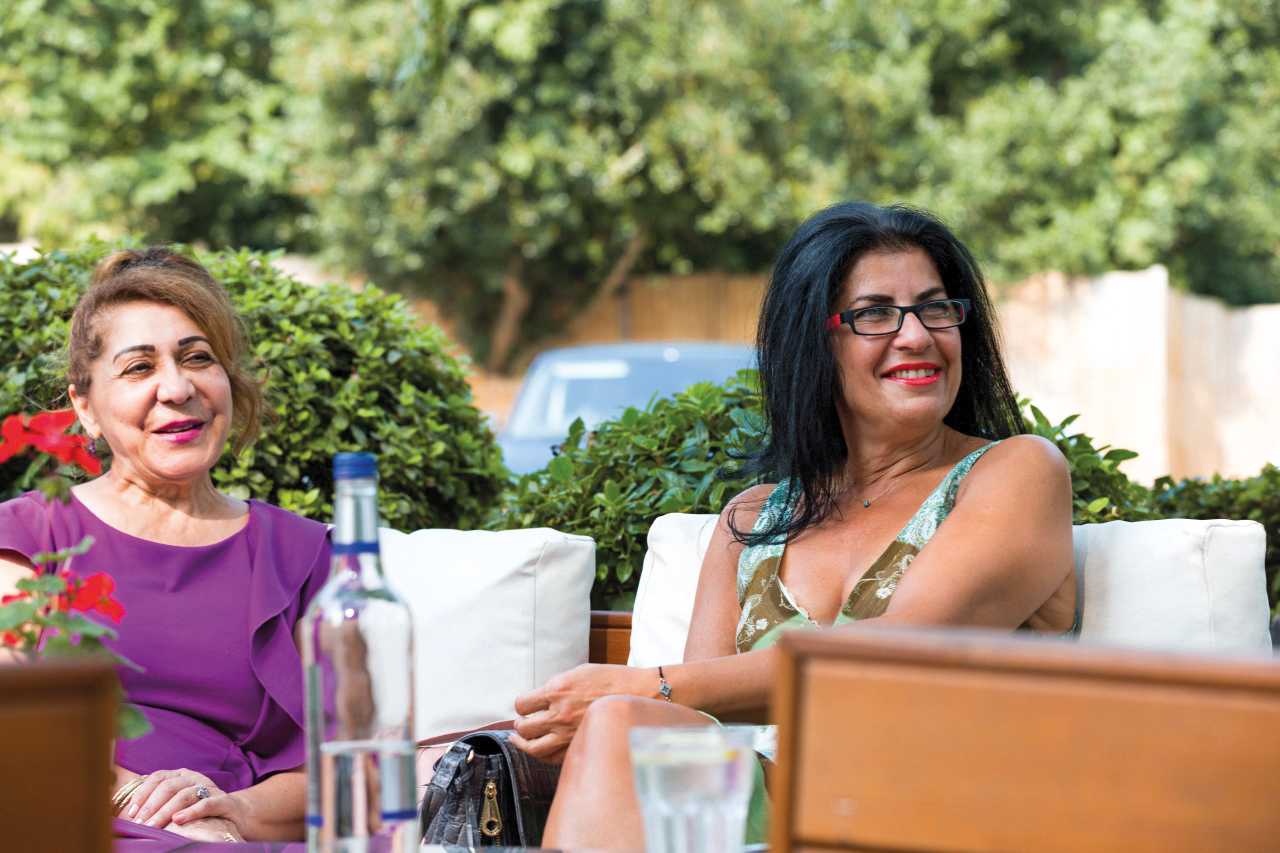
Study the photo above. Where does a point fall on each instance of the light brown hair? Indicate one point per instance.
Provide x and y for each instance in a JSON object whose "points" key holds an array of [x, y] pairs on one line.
{"points": [[161, 276]]}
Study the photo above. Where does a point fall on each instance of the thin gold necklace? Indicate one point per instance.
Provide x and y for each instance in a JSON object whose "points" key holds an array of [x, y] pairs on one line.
{"points": [[866, 502]]}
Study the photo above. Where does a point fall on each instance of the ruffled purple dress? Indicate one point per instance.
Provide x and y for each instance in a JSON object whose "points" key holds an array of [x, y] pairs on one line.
{"points": [[212, 626]]}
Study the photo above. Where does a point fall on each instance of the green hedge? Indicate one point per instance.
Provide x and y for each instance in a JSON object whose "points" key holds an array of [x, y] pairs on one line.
{"points": [[346, 370], [610, 484]]}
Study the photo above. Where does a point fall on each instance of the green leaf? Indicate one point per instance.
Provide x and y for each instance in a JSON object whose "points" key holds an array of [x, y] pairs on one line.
{"points": [[560, 469], [131, 723], [16, 613], [1098, 505], [44, 584]]}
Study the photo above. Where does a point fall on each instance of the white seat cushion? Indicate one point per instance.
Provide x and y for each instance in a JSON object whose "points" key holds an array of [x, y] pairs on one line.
{"points": [[1173, 584], [668, 583], [495, 614]]}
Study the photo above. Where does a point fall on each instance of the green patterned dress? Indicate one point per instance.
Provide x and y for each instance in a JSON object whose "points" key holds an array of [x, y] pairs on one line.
{"points": [[768, 608]]}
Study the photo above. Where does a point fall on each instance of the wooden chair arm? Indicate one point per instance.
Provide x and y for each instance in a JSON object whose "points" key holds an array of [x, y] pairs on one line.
{"points": [[610, 636]]}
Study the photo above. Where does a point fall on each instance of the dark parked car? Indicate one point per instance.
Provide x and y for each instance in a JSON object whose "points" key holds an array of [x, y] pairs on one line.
{"points": [[599, 382]]}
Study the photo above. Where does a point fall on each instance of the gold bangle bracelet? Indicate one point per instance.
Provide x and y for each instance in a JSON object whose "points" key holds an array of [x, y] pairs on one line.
{"points": [[126, 790]]}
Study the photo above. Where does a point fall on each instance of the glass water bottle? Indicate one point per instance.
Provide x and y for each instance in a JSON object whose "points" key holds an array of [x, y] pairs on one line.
{"points": [[356, 640]]}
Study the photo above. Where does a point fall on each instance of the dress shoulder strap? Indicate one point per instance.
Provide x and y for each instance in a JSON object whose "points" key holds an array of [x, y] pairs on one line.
{"points": [[937, 506], [960, 471], [776, 510]]}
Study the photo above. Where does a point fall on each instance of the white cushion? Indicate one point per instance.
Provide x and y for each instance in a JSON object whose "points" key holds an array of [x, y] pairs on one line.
{"points": [[668, 583], [1173, 583], [495, 614]]}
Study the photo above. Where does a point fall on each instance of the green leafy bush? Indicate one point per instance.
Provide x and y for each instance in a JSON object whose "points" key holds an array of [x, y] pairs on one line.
{"points": [[346, 370], [612, 483], [1100, 490], [679, 455]]}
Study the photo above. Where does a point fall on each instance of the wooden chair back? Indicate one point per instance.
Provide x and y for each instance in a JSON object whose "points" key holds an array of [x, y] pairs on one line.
{"points": [[610, 639], [966, 741], [57, 721]]}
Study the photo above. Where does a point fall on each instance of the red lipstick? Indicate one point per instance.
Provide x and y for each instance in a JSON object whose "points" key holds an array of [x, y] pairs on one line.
{"points": [[914, 373]]}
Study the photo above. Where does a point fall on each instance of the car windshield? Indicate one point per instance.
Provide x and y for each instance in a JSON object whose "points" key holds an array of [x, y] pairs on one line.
{"points": [[598, 389]]}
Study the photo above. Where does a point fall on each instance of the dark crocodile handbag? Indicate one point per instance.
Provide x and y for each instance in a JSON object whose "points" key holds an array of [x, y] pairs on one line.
{"points": [[485, 792]]}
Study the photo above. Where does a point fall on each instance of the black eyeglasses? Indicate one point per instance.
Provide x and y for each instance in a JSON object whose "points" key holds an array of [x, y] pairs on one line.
{"points": [[887, 319]]}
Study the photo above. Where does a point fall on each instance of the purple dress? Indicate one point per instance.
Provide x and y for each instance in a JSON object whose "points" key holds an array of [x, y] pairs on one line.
{"points": [[212, 626]]}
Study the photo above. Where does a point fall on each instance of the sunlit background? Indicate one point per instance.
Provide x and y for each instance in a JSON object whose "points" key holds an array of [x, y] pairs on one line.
{"points": [[537, 173]]}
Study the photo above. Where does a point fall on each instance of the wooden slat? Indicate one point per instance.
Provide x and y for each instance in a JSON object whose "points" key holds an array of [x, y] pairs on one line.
{"points": [[972, 741], [610, 636], [57, 720]]}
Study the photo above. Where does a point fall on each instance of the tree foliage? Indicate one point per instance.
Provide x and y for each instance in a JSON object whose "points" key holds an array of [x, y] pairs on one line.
{"points": [[160, 117], [515, 159]]}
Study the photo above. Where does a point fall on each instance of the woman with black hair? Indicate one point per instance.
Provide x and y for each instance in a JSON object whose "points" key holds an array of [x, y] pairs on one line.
{"points": [[900, 491]]}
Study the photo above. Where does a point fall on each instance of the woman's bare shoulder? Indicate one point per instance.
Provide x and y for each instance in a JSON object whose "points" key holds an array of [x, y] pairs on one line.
{"points": [[1029, 451], [744, 507], [1017, 468]]}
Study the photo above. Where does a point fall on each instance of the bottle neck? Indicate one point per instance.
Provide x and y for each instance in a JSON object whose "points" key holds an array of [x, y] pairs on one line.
{"points": [[355, 517]]}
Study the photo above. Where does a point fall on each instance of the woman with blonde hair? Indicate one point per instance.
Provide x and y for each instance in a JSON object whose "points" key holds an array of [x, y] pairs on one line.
{"points": [[212, 585]]}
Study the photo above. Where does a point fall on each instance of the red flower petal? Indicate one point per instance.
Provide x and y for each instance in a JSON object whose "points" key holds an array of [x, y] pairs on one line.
{"points": [[17, 596], [13, 437], [112, 609], [60, 446], [88, 463], [11, 638], [52, 423]]}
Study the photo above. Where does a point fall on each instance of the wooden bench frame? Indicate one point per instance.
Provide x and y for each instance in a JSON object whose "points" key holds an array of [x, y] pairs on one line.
{"points": [[610, 636], [57, 721], [918, 740]]}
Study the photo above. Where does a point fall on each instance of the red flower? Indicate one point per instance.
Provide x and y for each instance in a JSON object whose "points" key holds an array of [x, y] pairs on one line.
{"points": [[17, 596], [94, 593], [11, 638], [47, 433], [13, 437]]}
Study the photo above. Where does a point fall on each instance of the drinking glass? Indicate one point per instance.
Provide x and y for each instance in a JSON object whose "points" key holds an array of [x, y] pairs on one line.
{"points": [[694, 786]]}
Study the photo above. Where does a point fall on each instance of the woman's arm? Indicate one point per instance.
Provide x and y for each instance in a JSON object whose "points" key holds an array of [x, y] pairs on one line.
{"points": [[714, 678], [1004, 549]]}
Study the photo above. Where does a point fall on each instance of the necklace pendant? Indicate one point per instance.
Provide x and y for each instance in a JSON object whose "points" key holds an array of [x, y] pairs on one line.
{"points": [[865, 503]]}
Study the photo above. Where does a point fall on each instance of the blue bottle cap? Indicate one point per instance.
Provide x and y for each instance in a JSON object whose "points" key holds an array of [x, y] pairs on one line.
{"points": [[355, 466]]}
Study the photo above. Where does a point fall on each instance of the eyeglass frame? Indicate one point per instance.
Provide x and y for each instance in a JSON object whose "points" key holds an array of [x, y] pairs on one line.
{"points": [[845, 317]]}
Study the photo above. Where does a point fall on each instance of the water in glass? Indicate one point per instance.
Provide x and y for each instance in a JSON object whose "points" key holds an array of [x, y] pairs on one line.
{"points": [[694, 786]]}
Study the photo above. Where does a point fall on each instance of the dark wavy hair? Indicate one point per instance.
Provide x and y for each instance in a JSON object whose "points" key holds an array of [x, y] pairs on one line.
{"points": [[799, 380]]}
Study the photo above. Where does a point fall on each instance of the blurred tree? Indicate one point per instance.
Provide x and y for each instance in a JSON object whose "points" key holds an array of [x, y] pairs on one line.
{"points": [[515, 159], [512, 158], [155, 116], [1114, 135]]}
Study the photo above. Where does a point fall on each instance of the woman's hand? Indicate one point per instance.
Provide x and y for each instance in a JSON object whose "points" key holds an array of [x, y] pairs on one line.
{"points": [[207, 829], [550, 715], [168, 793]]}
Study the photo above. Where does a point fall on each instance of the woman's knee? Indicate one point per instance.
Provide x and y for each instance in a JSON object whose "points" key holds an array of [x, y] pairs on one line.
{"points": [[611, 716]]}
